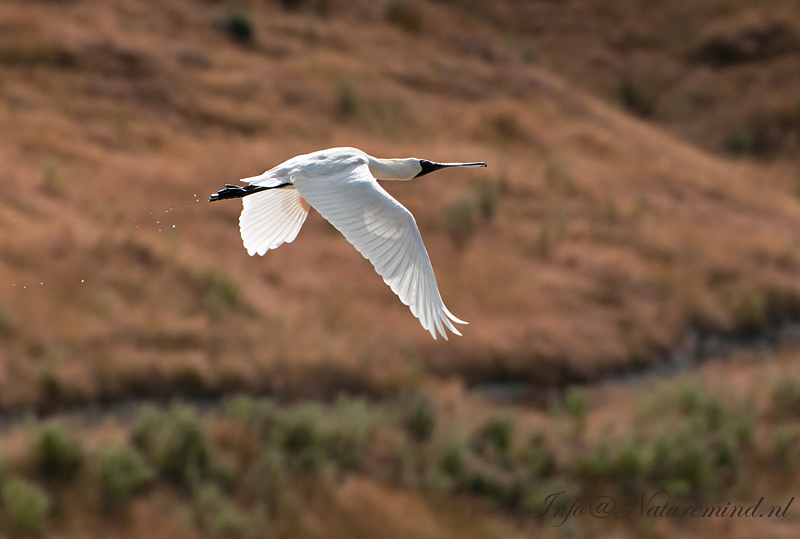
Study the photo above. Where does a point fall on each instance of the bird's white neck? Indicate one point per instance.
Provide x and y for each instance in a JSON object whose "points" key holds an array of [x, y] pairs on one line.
{"points": [[394, 169]]}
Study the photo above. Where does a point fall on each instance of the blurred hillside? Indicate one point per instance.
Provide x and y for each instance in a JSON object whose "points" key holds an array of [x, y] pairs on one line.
{"points": [[594, 241], [642, 191], [721, 74]]}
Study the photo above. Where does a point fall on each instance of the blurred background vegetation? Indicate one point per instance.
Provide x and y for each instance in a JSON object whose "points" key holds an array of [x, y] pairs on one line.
{"points": [[628, 263]]}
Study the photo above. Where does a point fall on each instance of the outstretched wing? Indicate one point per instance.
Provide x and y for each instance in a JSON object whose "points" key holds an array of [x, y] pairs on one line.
{"points": [[385, 233], [270, 218]]}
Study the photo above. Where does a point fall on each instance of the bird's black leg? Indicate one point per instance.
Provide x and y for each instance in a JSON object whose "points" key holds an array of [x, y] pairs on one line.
{"points": [[234, 191]]}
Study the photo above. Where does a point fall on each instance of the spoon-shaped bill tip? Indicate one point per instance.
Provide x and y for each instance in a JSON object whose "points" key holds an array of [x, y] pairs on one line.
{"points": [[470, 165]]}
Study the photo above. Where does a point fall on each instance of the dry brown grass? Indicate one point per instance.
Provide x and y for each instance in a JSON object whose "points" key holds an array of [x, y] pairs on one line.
{"points": [[721, 74], [608, 238]]}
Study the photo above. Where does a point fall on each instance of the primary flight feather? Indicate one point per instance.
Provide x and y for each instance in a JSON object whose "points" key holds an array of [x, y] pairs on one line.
{"points": [[340, 183]]}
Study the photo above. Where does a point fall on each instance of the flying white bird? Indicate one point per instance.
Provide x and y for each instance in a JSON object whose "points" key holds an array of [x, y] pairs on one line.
{"points": [[340, 183]]}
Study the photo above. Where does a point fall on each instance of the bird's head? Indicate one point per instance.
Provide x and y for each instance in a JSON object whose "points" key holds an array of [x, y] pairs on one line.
{"points": [[408, 169], [426, 167]]}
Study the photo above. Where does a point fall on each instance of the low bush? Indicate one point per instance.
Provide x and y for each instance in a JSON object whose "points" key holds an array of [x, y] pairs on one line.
{"points": [[497, 432], [420, 419], [26, 505], [58, 454], [452, 458], [121, 471], [405, 15], [175, 441], [786, 397], [217, 515], [239, 26], [184, 450]]}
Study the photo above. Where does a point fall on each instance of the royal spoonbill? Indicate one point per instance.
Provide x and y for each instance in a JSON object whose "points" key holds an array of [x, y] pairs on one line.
{"points": [[340, 183]]}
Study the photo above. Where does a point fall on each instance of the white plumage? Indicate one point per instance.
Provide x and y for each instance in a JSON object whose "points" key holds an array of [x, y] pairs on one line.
{"points": [[341, 185]]}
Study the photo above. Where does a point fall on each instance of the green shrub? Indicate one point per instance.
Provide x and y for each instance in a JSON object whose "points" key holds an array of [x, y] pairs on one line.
{"points": [[224, 470], [8, 323], [740, 142], [121, 471], [538, 461], [305, 429], [405, 15], [487, 199], [217, 515], [785, 450], [306, 437], [689, 399], [216, 290], [346, 450], [740, 429], [240, 27], [266, 478], [633, 99], [627, 464], [267, 422], [714, 414], [149, 422], [578, 405], [693, 463], [26, 505], [497, 432], [597, 465], [421, 419], [356, 423], [58, 454], [184, 450], [786, 397], [486, 484], [51, 171], [292, 5], [357, 417], [452, 459], [174, 441], [241, 406], [347, 100], [685, 457]]}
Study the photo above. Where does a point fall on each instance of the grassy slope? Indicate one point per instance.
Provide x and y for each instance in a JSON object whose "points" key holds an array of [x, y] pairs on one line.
{"points": [[607, 238], [722, 74], [724, 434]]}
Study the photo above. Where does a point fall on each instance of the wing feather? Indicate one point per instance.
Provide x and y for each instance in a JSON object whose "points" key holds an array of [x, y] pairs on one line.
{"points": [[385, 233], [271, 218]]}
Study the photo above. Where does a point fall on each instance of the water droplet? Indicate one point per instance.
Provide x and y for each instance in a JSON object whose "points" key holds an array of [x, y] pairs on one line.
{"points": [[82, 280], [173, 226]]}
